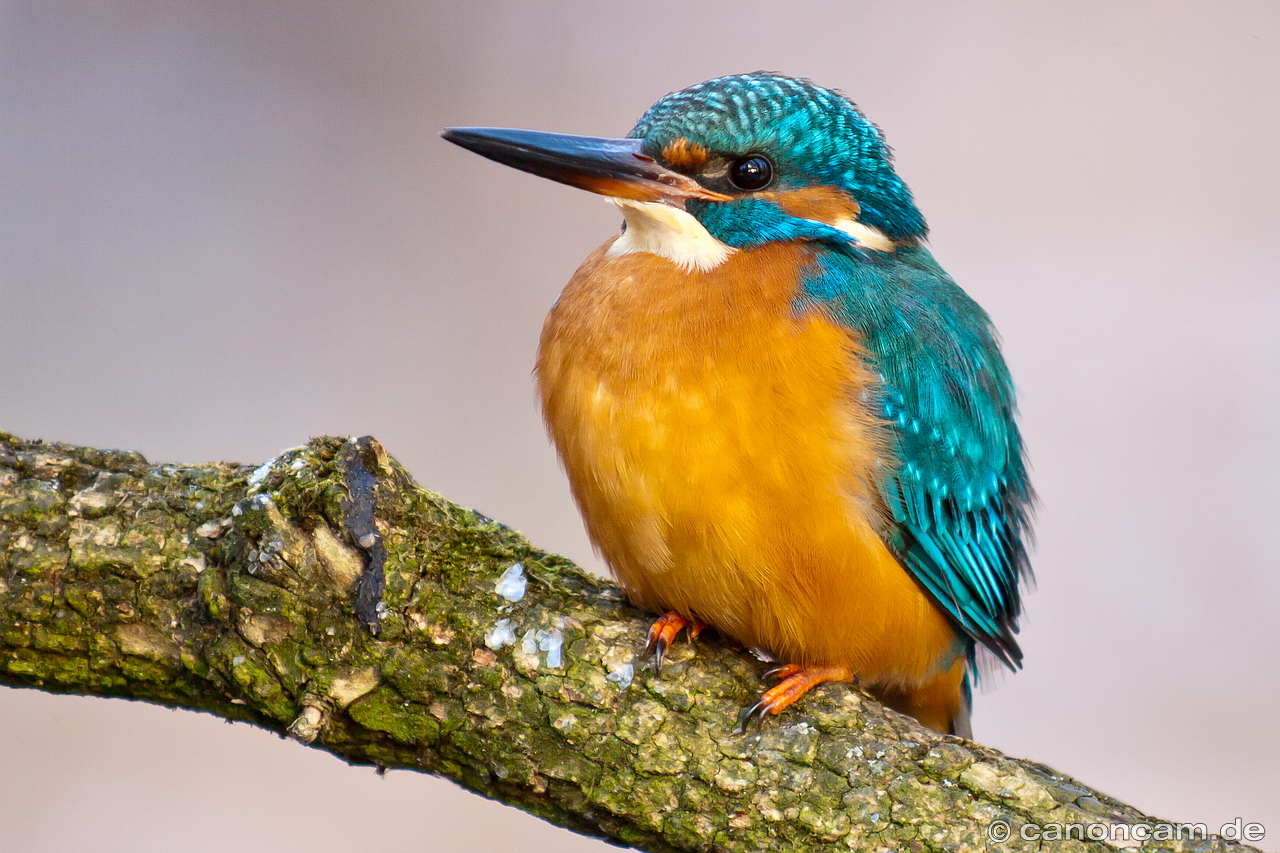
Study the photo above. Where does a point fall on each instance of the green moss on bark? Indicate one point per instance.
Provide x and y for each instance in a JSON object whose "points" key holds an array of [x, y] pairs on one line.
{"points": [[228, 589]]}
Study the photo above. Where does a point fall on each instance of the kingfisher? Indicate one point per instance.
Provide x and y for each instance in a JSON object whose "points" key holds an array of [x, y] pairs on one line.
{"points": [[779, 416]]}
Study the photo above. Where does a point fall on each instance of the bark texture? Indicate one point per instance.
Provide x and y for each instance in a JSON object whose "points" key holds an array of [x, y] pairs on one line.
{"points": [[327, 596]]}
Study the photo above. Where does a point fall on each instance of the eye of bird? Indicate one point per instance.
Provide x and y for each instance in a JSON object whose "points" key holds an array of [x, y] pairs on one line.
{"points": [[753, 172]]}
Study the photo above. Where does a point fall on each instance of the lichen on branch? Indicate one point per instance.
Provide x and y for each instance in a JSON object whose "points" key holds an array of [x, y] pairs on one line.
{"points": [[234, 590]]}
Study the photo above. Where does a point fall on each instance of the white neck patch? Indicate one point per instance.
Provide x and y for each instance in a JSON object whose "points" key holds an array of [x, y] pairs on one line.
{"points": [[668, 232], [864, 235]]}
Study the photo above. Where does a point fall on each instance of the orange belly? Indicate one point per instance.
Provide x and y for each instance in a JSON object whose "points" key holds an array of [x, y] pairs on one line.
{"points": [[715, 444]]}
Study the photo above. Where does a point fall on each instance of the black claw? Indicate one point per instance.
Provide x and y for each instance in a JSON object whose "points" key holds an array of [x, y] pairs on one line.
{"points": [[660, 654], [758, 710], [656, 649], [773, 673]]}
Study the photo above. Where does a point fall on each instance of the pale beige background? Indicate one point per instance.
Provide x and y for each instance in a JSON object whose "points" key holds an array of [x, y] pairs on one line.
{"points": [[226, 227]]}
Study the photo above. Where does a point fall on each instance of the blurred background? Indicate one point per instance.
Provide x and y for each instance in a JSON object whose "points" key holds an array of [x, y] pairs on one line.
{"points": [[226, 227]]}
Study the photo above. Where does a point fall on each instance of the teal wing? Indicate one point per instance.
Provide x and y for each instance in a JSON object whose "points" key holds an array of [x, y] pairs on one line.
{"points": [[957, 496]]}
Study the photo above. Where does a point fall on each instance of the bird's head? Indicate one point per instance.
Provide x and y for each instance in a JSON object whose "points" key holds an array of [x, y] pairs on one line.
{"points": [[752, 157]]}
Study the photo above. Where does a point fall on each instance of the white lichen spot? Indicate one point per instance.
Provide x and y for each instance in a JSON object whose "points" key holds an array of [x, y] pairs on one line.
{"points": [[381, 610], [348, 688], [565, 722], [197, 563], [368, 540], [260, 473], [93, 498], [238, 660], [143, 641], [308, 724], [529, 642], [512, 584], [551, 642], [982, 776], [214, 529], [500, 635], [298, 465], [260, 629], [621, 675]]}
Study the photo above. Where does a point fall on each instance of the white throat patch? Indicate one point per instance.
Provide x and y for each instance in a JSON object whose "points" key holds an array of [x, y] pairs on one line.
{"points": [[669, 232]]}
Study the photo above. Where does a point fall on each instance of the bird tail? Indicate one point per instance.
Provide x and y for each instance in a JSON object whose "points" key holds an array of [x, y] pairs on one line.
{"points": [[942, 704]]}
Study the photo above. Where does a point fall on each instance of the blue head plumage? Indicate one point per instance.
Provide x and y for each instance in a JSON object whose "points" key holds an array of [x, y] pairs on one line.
{"points": [[813, 136]]}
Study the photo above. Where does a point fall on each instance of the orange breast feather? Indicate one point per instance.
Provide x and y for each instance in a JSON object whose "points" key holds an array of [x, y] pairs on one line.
{"points": [[725, 470]]}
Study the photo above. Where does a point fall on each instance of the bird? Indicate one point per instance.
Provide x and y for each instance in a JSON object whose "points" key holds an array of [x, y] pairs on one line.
{"points": [[779, 416]]}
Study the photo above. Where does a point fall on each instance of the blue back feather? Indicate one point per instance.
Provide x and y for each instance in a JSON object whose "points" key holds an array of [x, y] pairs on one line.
{"points": [[959, 496]]}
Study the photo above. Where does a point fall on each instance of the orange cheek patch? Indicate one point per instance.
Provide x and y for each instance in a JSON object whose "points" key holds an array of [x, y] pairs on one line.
{"points": [[683, 154], [822, 204]]}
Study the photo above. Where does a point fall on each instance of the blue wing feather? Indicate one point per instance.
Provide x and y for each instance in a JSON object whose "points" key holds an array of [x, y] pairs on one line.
{"points": [[958, 497]]}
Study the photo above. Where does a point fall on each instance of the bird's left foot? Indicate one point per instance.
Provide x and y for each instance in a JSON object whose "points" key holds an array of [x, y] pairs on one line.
{"points": [[797, 680], [664, 632]]}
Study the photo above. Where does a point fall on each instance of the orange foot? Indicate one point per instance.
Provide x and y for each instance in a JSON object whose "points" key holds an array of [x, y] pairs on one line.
{"points": [[796, 681], [664, 632]]}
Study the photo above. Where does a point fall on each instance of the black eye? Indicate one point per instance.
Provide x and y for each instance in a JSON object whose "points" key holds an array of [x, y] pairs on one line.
{"points": [[753, 172]]}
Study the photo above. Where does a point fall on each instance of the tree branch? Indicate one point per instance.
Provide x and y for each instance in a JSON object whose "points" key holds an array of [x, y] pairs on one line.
{"points": [[233, 590]]}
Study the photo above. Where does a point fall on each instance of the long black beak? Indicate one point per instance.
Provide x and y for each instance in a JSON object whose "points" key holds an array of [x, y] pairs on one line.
{"points": [[612, 167]]}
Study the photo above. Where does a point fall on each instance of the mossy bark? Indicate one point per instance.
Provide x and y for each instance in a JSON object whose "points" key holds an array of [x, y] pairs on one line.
{"points": [[232, 590]]}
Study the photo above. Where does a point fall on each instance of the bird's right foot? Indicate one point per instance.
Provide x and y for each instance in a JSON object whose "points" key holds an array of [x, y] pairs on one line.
{"points": [[664, 632]]}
